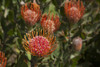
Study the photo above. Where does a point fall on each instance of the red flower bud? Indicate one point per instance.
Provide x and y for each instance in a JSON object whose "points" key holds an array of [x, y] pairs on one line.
{"points": [[31, 13], [50, 24], [74, 10]]}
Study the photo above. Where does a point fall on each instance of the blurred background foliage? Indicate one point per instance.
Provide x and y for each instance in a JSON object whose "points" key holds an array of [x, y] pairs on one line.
{"points": [[13, 27]]}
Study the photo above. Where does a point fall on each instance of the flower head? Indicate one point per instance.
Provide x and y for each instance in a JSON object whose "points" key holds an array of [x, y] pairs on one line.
{"points": [[3, 60], [31, 12], [39, 44], [77, 43], [74, 10], [51, 24]]}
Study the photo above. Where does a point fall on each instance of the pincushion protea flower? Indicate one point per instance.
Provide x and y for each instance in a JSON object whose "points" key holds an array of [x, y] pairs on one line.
{"points": [[31, 12], [74, 10], [77, 43], [51, 24], [39, 44], [3, 60]]}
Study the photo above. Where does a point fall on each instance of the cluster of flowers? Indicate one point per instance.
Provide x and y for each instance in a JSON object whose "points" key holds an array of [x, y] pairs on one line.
{"points": [[31, 13], [42, 43]]}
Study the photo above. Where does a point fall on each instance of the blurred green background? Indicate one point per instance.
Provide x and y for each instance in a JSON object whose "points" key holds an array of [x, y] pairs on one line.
{"points": [[13, 27]]}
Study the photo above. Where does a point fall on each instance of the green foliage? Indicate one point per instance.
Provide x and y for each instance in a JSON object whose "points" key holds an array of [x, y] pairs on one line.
{"points": [[13, 29]]}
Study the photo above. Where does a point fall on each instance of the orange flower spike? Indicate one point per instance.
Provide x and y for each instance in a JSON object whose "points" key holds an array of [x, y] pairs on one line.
{"points": [[78, 4], [31, 13], [26, 7], [23, 8], [44, 17], [39, 44], [35, 7], [82, 10], [50, 24], [3, 60], [74, 10], [52, 17], [57, 22]]}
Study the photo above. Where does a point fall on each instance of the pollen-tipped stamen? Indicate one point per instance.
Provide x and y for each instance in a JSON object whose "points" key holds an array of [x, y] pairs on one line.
{"points": [[39, 43]]}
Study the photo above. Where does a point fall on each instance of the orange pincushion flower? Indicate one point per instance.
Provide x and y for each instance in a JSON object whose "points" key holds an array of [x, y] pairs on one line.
{"points": [[31, 13], [39, 44], [3, 60], [74, 10], [77, 43], [50, 24]]}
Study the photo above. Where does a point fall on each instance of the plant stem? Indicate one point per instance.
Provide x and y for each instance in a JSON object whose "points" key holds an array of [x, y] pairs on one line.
{"points": [[35, 65], [18, 3], [69, 49], [34, 62]]}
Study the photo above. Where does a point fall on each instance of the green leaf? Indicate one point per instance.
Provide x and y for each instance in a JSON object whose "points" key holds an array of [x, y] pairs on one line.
{"points": [[10, 32], [98, 1], [21, 62], [6, 13]]}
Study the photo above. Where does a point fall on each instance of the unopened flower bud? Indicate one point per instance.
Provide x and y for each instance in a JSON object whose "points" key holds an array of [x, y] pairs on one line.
{"points": [[77, 43]]}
